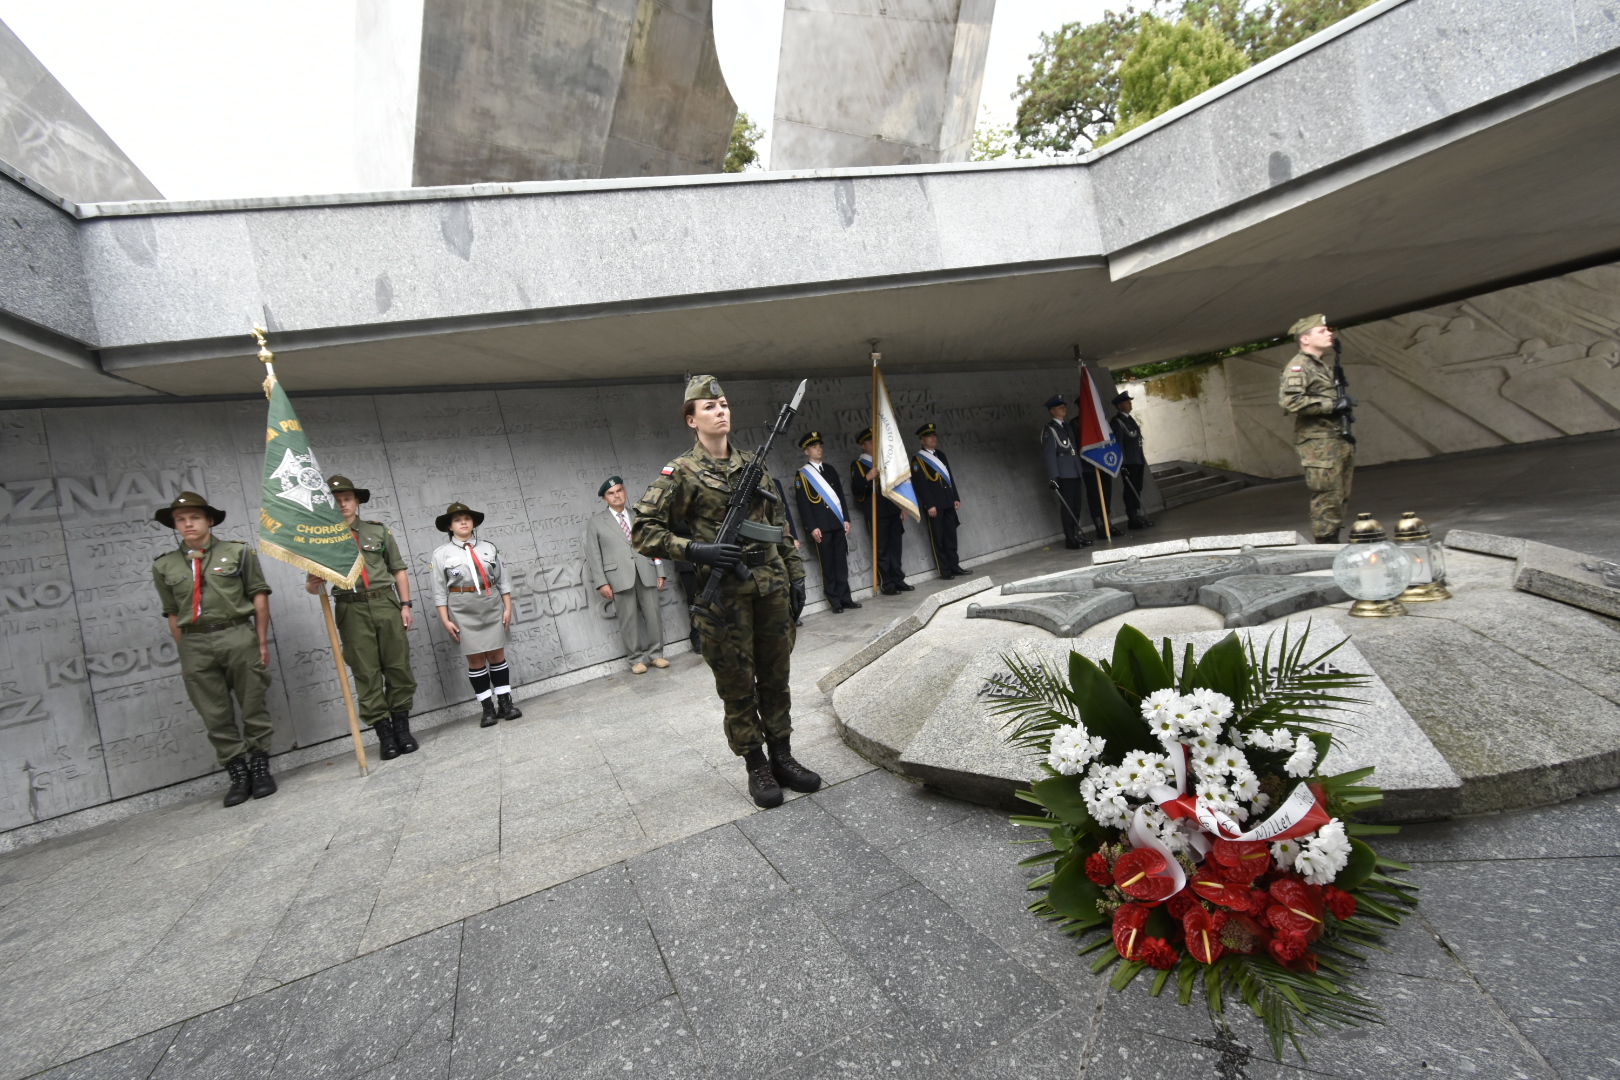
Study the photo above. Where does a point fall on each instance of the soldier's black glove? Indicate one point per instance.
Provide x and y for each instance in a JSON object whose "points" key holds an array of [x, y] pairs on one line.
{"points": [[725, 556], [796, 599], [1343, 405]]}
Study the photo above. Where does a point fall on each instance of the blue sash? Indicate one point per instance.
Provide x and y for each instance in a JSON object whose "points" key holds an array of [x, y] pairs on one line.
{"points": [[814, 478]]}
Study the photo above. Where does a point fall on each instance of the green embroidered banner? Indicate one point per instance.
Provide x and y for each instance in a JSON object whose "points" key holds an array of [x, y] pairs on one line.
{"points": [[299, 520]]}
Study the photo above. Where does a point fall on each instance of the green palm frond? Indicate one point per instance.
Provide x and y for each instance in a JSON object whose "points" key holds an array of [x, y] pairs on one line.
{"points": [[1036, 699]]}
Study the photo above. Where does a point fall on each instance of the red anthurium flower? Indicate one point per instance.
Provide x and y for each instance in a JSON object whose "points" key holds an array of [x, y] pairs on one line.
{"points": [[1243, 860], [1138, 873], [1243, 934], [1158, 953], [1181, 903], [1128, 922], [1341, 903], [1204, 934], [1217, 889], [1097, 869], [1295, 909]]}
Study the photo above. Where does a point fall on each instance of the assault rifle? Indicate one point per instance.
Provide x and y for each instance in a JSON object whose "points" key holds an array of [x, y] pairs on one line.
{"points": [[1343, 403], [736, 526]]}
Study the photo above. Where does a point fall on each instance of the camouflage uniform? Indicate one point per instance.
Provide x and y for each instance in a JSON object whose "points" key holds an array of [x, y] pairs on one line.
{"points": [[1308, 391], [748, 641]]}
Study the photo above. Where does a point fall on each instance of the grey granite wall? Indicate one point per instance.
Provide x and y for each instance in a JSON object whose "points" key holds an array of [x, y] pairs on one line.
{"points": [[91, 704]]}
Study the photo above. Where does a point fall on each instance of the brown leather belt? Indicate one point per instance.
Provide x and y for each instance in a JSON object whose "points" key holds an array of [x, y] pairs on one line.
{"points": [[213, 627], [460, 588]]}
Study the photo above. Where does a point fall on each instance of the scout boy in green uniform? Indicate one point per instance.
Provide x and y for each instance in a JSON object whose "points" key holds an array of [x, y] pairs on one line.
{"points": [[372, 619], [747, 640], [1310, 393], [218, 606]]}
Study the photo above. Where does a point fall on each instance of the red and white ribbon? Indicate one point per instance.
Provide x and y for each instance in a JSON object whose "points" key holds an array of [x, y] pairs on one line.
{"points": [[1300, 814]]}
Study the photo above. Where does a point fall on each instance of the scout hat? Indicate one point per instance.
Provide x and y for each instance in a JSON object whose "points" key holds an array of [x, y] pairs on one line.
{"points": [[927, 429], [703, 387], [866, 433], [165, 515], [1123, 395], [810, 439], [1054, 401], [609, 482], [442, 522], [1309, 322], [342, 483]]}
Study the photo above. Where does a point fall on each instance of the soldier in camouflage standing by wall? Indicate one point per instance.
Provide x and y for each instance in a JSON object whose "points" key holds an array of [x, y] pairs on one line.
{"points": [[747, 639], [1329, 457]]}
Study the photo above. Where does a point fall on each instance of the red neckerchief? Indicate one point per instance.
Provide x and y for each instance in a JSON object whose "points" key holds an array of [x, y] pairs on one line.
{"points": [[483, 578], [354, 531], [197, 586]]}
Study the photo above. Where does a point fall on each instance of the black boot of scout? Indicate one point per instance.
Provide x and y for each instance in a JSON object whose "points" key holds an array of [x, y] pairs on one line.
{"points": [[241, 784], [402, 733], [489, 718], [387, 745], [762, 787], [788, 772], [505, 709], [259, 772]]}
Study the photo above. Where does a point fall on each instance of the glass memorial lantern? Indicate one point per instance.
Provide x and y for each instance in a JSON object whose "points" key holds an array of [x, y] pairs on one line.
{"points": [[1372, 570], [1428, 561]]}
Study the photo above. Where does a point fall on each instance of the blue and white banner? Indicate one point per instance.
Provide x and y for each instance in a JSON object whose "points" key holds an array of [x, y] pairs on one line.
{"points": [[894, 464], [939, 466], [818, 483]]}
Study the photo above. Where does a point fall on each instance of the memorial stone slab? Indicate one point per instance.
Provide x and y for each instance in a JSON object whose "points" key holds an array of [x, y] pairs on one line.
{"points": [[899, 630], [1569, 576], [1507, 547], [1065, 615], [1170, 582], [1240, 540], [1141, 551], [1067, 581], [1295, 561], [1249, 600]]}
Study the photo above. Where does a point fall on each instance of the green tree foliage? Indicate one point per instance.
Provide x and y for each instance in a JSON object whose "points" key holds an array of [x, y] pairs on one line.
{"points": [[1170, 63], [992, 141], [745, 136], [1071, 99]]}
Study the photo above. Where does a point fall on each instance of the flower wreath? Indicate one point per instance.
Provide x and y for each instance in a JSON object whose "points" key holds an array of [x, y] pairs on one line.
{"points": [[1187, 819]]}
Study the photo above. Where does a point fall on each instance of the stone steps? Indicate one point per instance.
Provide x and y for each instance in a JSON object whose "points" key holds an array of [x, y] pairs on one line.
{"points": [[1181, 483]]}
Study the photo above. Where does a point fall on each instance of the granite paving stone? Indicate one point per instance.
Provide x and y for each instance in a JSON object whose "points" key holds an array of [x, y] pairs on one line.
{"points": [[766, 984], [889, 1047], [1578, 1049], [132, 1060], [430, 1064], [238, 1042], [961, 989], [827, 864], [527, 868], [655, 1041], [1051, 1048], [1583, 827], [888, 811], [411, 906], [707, 878], [316, 933]]}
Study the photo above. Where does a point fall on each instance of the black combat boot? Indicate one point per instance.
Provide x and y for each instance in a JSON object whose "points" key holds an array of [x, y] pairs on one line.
{"points": [[259, 770], [489, 719], [387, 745], [788, 772], [1332, 538], [762, 786], [241, 784], [402, 733], [505, 709]]}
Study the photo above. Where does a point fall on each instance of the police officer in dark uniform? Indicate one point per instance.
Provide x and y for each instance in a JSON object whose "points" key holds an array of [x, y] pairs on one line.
{"points": [[891, 528], [824, 512], [939, 497], [1062, 451], [1134, 470]]}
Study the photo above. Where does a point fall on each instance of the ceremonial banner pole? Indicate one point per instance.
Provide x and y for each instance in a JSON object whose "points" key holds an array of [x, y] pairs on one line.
{"points": [[1083, 400], [309, 533], [876, 479]]}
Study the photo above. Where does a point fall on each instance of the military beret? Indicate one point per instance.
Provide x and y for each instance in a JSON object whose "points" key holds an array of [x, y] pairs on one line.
{"points": [[342, 483], [1123, 395], [1054, 401], [866, 433], [927, 429], [165, 515], [810, 439], [1306, 324], [703, 387], [609, 482], [442, 522]]}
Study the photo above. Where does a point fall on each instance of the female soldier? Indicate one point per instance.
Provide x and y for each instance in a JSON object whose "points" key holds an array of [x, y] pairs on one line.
{"points": [[747, 637], [475, 605]]}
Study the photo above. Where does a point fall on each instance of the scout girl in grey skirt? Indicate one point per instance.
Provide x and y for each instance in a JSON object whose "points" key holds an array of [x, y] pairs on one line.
{"points": [[475, 605]]}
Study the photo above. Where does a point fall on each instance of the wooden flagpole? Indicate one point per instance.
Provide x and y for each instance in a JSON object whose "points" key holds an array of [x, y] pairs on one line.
{"points": [[877, 585], [343, 680]]}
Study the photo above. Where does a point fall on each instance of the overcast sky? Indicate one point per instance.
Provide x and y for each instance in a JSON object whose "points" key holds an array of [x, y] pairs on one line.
{"points": [[223, 98]]}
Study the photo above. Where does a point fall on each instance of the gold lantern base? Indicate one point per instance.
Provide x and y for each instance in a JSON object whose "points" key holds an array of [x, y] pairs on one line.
{"points": [[1425, 593], [1377, 609]]}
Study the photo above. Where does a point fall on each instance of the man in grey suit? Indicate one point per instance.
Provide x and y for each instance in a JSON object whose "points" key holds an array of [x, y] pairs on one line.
{"points": [[623, 575]]}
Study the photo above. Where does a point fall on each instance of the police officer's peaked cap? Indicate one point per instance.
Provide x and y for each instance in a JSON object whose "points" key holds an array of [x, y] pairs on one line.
{"points": [[442, 522], [810, 439], [609, 482], [703, 387], [1309, 322], [866, 433], [165, 515], [927, 429], [1054, 401], [342, 483], [1123, 395]]}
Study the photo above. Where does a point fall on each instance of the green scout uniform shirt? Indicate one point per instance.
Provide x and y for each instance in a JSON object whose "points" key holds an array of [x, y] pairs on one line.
{"points": [[382, 556], [231, 579], [1308, 391], [695, 488]]}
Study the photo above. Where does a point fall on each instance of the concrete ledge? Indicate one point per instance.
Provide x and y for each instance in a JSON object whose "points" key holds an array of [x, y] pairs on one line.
{"points": [[1560, 574], [899, 630], [1507, 547]]}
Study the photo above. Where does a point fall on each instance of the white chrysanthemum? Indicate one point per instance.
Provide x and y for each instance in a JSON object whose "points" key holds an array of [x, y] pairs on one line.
{"points": [[1285, 852], [1109, 808], [1159, 701], [1188, 716], [1234, 736], [1276, 739], [1232, 762], [1212, 702], [1206, 763], [1141, 772], [1224, 801], [1260, 802], [1205, 725], [1303, 759], [1072, 750], [1324, 854], [1246, 786]]}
